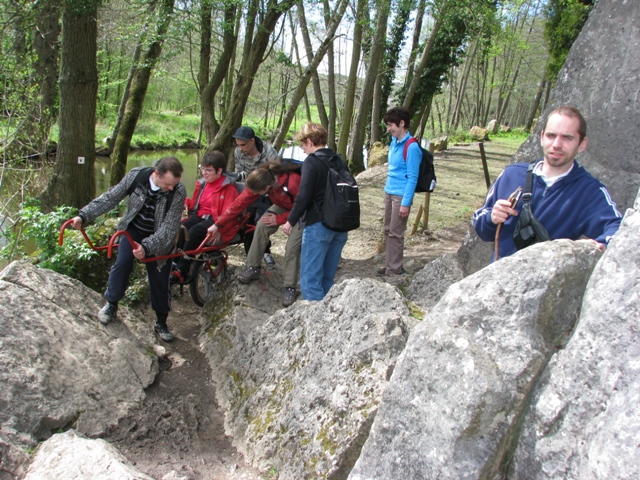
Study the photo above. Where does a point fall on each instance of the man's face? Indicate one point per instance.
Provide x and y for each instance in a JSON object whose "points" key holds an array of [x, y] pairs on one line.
{"points": [[396, 130], [561, 142], [247, 147], [166, 182]]}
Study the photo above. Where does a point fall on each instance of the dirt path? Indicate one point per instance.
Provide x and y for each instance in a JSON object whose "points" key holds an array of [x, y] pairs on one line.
{"points": [[180, 428]]}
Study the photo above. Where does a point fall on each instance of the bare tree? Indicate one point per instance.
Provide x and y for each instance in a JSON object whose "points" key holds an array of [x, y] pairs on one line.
{"points": [[356, 144], [209, 86], [254, 48], [304, 80], [139, 86], [352, 81]]}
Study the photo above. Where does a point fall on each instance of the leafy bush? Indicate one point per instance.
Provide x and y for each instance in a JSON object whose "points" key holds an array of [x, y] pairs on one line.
{"points": [[35, 238]]}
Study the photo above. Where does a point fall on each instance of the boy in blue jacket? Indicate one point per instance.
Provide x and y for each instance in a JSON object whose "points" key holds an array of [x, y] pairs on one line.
{"points": [[565, 198]]}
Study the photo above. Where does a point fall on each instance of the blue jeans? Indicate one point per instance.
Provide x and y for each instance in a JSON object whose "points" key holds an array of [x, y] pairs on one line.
{"points": [[321, 250]]}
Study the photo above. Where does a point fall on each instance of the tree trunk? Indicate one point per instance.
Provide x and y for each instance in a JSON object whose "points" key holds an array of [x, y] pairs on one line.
{"points": [[73, 181], [331, 83], [536, 104], [352, 81], [356, 162], [253, 56], [139, 86], [304, 81], [125, 97], [223, 68], [315, 79], [415, 43], [413, 86], [376, 106]]}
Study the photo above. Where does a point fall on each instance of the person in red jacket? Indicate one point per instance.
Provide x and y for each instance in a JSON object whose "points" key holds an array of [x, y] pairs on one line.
{"points": [[281, 183], [213, 194]]}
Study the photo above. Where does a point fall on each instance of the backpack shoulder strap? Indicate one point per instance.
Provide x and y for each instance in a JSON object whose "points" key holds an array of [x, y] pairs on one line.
{"points": [[141, 177], [406, 147], [526, 196]]}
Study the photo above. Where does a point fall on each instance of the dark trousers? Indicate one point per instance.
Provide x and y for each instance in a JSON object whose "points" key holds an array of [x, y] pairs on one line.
{"points": [[197, 228], [121, 271]]}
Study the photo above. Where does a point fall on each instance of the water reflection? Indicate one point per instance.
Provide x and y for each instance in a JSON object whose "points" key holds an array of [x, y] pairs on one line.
{"points": [[190, 159]]}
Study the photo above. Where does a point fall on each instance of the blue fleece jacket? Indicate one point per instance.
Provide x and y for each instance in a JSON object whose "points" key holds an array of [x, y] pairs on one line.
{"points": [[403, 175], [576, 205]]}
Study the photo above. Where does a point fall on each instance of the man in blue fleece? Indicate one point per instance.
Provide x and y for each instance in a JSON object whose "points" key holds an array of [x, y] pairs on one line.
{"points": [[565, 198]]}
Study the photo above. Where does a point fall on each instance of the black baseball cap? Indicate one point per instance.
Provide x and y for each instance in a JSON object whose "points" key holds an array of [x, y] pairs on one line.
{"points": [[245, 133]]}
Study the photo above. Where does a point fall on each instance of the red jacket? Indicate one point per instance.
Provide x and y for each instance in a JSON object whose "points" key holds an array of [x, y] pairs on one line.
{"points": [[283, 196], [221, 194]]}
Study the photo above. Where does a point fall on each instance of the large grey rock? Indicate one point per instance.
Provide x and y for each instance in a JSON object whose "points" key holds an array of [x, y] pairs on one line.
{"points": [[601, 77], [300, 392], [462, 385], [430, 283], [58, 365], [69, 456], [585, 422]]}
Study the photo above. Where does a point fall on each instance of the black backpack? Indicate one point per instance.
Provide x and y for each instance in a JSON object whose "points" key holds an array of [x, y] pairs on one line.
{"points": [[427, 173], [341, 209], [142, 178]]}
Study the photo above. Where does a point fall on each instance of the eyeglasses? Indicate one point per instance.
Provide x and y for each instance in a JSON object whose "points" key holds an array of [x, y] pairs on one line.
{"points": [[206, 170]]}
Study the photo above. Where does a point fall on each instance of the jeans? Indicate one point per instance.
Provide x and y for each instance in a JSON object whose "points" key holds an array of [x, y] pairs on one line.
{"points": [[321, 250]]}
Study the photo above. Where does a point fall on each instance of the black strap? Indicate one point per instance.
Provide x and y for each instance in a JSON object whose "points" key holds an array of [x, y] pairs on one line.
{"points": [[526, 196], [142, 178]]}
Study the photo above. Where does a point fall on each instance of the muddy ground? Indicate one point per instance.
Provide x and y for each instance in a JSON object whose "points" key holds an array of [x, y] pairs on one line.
{"points": [[178, 433]]}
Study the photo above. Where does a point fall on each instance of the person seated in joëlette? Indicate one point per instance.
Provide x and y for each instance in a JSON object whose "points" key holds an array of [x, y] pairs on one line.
{"points": [[213, 194]]}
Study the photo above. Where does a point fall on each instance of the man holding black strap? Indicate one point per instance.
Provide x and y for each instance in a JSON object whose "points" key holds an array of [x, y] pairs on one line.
{"points": [[566, 199]]}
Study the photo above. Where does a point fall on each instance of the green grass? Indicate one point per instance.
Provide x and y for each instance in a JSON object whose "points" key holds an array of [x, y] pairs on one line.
{"points": [[160, 130]]}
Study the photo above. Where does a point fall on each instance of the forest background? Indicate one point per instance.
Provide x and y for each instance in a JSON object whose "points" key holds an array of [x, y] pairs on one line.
{"points": [[111, 75]]}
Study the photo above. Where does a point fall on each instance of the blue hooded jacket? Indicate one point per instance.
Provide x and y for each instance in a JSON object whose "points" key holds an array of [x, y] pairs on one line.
{"points": [[576, 205]]}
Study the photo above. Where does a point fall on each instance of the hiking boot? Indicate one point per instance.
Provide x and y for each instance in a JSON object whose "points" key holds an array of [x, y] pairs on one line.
{"points": [[163, 332], [108, 313], [382, 272], [268, 259], [288, 296], [249, 275]]}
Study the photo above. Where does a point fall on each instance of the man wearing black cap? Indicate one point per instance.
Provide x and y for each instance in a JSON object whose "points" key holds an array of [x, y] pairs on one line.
{"points": [[250, 153]]}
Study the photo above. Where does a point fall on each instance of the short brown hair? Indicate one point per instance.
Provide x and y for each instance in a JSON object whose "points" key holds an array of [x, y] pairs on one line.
{"points": [[169, 164], [396, 115], [215, 159], [571, 112], [314, 132]]}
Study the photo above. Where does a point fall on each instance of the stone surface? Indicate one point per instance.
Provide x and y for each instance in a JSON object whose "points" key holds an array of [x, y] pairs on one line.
{"points": [[300, 392], [430, 283], [379, 155], [462, 385], [478, 133], [373, 175], [58, 365], [439, 144], [585, 421], [601, 77], [68, 456]]}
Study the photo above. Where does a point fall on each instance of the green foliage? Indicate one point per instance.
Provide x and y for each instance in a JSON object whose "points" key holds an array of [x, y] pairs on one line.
{"points": [[565, 19], [35, 238]]}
